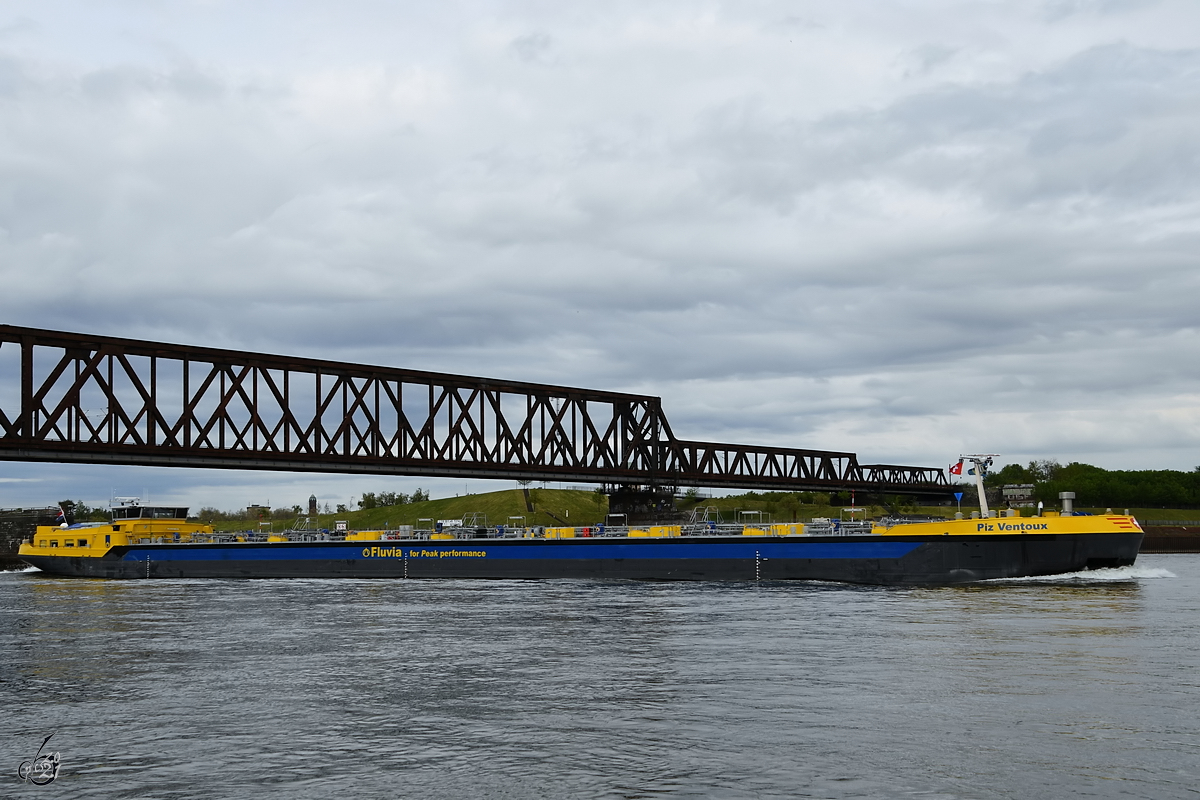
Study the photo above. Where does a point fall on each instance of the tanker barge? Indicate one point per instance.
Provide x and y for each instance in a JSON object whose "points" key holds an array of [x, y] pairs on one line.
{"points": [[160, 543], [145, 542]]}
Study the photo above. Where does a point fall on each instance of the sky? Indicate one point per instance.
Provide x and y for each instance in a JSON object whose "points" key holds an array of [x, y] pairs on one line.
{"points": [[904, 229]]}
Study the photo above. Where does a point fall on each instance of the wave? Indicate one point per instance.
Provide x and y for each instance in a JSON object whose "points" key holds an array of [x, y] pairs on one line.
{"points": [[1107, 575]]}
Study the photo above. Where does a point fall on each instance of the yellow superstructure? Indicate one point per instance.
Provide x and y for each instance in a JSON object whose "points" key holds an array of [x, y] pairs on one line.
{"points": [[93, 541], [1006, 526]]}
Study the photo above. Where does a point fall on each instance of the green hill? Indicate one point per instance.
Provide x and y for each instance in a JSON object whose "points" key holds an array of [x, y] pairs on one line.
{"points": [[792, 506], [571, 507]]}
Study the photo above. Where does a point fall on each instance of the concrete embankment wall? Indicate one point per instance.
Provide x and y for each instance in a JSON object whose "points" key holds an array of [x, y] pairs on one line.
{"points": [[17, 524]]}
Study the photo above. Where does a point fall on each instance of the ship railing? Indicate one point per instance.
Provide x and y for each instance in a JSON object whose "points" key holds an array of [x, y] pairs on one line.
{"points": [[711, 528], [219, 537], [470, 532], [249, 537], [838, 527], [513, 532], [396, 536], [908, 519], [815, 527]]}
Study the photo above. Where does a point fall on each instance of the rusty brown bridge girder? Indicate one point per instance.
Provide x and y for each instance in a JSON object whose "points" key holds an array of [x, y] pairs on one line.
{"points": [[69, 397]]}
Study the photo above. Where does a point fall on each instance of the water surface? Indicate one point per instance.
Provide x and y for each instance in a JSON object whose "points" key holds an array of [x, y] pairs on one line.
{"points": [[1069, 687]]}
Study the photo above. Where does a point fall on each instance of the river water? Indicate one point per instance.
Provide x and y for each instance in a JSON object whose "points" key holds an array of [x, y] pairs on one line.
{"points": [[1069, 687]]}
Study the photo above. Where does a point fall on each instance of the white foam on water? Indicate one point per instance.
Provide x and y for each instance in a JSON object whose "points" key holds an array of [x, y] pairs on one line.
{"points": [[1107, 575], [22, 569]]}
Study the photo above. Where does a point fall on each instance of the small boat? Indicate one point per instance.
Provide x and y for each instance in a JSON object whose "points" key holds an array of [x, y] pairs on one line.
{"points": [[157, 542]]}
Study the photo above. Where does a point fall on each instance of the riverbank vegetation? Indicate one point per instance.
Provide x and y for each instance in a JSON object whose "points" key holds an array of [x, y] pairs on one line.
{"points": [[551, 507], [1097, 487]]}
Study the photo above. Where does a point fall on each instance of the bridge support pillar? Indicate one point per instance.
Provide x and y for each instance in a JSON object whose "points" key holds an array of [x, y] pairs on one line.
{"points": [[641, 504]]}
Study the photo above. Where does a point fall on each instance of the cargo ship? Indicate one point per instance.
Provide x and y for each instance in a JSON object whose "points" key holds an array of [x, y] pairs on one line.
{"points": [[159, 542], [153, 542]]}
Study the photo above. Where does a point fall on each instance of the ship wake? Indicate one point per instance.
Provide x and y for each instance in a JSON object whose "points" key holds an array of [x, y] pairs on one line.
{"points": [[1107, 575]]}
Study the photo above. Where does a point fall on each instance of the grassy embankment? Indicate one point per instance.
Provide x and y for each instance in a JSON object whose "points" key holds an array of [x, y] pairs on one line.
{"points": [[572, 507], [579, 508]]}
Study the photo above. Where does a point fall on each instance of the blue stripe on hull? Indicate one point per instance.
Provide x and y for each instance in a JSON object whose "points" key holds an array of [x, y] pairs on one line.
{"points": [[467, 550]]}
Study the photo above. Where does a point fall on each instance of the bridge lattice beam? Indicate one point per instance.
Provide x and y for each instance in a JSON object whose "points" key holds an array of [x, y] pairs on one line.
{"points": [[69, 397]]}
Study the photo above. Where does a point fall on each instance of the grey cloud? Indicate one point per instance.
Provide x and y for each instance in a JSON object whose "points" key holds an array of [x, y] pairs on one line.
{"points": [[532, 46], [20, 25], [119, 84], [929, 56], [12, 77], [662, 211], [1107, 123], [1058, 10]]}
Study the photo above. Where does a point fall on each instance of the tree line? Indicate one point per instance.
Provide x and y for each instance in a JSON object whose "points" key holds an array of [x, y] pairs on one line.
{"points": [[1096, 487], [79, 511], [381, 499]]}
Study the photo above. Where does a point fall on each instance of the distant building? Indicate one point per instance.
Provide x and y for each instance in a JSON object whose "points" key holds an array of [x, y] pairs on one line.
{"points": [[258, 512], [312, 504], [1018, 495]]}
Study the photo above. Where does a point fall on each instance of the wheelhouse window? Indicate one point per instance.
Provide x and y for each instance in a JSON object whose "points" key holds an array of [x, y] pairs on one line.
{"points": [[83, 543], [149, 512], [54, 542]]}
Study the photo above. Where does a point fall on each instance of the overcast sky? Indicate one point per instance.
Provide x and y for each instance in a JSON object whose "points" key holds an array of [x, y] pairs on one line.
{"points": [[905, 229]]}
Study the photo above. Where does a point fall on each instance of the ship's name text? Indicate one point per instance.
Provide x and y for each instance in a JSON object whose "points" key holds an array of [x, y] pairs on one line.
{"points": [[1016, 527]]}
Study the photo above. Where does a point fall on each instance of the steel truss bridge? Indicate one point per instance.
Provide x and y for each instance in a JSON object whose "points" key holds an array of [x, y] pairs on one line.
{"points": [[68, 397]]}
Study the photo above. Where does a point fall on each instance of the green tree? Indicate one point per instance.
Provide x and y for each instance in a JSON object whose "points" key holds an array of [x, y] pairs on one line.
{"points": [[1009, 473], [210, 514], [1044, 470]]}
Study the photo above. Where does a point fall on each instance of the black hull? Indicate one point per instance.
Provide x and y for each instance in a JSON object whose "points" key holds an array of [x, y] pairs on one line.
{"points": [[893, 560]]}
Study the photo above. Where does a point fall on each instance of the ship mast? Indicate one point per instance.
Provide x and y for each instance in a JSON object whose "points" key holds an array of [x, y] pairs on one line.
{"points": [[980, 464]]}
